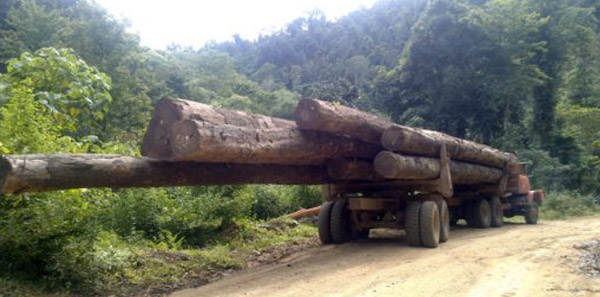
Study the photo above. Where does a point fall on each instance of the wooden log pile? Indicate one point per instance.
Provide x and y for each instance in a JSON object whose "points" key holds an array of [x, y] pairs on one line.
{"points": [[190, 143]]}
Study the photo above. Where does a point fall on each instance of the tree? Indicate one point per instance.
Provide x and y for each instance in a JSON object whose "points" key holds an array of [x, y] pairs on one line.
{"points": [[450, 75], [76, 94]]}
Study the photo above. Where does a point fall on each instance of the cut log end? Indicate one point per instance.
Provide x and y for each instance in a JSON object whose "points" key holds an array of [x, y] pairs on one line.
{"points": [[156, 143], [385, 165], [185, 137], [306, 115], [169, 109]]}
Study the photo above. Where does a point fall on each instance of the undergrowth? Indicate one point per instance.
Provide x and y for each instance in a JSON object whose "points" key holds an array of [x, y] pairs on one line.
{"points": [[562, 205], [114, 266]]}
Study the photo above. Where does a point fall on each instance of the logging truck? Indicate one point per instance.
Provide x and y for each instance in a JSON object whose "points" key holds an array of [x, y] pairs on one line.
{"points": [[377, 174], [424, 181]]}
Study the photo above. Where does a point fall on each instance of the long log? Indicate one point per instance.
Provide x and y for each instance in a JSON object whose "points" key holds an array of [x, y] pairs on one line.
{"points": [[171, 110], [394, 166], [428, 143], [35, 173], [312, 114], [201, 141], [316, 115]]}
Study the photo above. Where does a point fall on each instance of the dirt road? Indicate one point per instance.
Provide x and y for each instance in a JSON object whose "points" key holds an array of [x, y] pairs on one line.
{"points": [[515, 260]]}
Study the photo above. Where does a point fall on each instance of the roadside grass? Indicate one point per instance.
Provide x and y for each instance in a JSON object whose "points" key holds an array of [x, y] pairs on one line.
{"points": [[563, 205], [150, 269], [165, 268]]}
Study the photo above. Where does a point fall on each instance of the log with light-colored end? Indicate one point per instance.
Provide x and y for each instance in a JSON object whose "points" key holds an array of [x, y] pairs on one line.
{"points": [[171, 110], [36, 173], [316, 115], [394, 166], [200, 141]]}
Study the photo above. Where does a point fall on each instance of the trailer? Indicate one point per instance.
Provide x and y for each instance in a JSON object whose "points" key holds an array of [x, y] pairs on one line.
{"points": [[424, 209]]}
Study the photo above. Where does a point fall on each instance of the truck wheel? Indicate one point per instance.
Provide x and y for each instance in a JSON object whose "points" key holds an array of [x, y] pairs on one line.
{"points": [[531, 214], [411, 224], [340, 222], [324, 226], [429, 223], [444, 220], [482, 213], [497, 212]]}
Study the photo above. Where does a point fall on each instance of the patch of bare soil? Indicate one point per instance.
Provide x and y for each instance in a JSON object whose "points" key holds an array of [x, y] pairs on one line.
{"points": [[515, 260]]}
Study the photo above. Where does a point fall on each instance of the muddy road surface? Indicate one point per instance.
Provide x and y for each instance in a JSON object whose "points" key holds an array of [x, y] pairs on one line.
{"points": [[515, 260]]}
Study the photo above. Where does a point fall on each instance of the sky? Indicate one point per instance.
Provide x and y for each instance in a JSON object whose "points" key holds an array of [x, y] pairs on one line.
{"points": [[195, 22]]}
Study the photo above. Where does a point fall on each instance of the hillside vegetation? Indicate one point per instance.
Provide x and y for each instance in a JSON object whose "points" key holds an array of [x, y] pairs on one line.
{"points": [[520, 75]]}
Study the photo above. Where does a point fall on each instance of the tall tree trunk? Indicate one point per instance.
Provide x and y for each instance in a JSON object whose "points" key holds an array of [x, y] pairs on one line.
{"points": [[35, 173], [201, 141]]}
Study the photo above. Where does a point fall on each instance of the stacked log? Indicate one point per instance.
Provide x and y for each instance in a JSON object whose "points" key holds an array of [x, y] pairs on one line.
{"points": [[192, 140], [312, 114], [169, 111], [394, 166]]}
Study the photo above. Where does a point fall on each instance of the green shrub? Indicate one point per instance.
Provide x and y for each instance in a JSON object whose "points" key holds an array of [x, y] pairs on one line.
{"points": [[560, 205], [306, 196], [273, 201]]}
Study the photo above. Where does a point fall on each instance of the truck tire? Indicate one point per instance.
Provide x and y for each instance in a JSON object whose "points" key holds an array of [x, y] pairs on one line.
{"points": [[340, 222], [497, 212], [531, 214], [444, 220], [411, 224], [482, 213], [429, 223], [324, 226]]}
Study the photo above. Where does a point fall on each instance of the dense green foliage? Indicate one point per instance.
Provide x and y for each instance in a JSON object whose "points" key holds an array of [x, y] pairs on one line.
{"points": [[521, 75]]}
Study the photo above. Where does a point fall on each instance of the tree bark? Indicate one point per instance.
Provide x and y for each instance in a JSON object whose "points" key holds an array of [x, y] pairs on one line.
{"points": [[36, 173], [352, 170], [201, 141], [394, 166], [323, 116], [316, 115], [414, 141], [170, 110]]}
